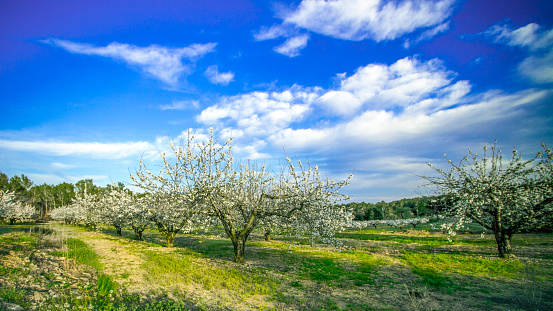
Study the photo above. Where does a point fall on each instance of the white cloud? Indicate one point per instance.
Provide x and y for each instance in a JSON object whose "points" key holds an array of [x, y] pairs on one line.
{"points": [[357, 20], [529, 36], [363, 19], [378, 127], [428, 34], [163, 63], [538, 66], [378, 86], [216, 77], [92, 149], [274, 32], [181, 105], [340, 102], [260, 113], [292, 46]]}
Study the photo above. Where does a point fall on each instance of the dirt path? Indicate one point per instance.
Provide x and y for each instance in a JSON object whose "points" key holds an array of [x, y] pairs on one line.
{"points": [[120, 259]]}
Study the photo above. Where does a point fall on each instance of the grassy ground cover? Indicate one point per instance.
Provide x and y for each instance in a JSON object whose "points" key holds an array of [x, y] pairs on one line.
{"points": [[371, 270]]}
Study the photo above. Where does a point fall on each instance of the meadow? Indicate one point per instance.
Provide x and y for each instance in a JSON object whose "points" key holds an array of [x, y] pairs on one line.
{"points": [[65, 267]]}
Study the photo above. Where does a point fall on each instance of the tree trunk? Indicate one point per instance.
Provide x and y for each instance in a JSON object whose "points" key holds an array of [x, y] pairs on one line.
{"points": [[119, 229], [267, 235], [170, 238], [503, 240], [138, 234], [239, 249]]}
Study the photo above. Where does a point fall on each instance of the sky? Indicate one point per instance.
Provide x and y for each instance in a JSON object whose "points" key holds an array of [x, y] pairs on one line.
{"points": [[370, 87]]}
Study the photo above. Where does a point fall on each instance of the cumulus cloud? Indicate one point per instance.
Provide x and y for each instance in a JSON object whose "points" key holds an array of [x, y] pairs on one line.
{"points": [[260, 113], [91, 149], [379, 86], [537, 42], [214, 76], [162, 63], [292, 46]]}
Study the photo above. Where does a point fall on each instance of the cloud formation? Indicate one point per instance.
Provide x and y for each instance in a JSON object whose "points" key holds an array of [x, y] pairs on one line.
{"points": [[292, 46], [357, 20], [260, 113], [214, 76], [162, 63], [368, 19], [91, 149], [537, 42], [370, 114]]}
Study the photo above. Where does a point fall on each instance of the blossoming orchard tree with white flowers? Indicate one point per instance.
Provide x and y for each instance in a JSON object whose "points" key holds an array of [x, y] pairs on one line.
{"points": [[175, 195], [501, 196], [205, 183], [113, 207], [137, 214], [12, 210]]}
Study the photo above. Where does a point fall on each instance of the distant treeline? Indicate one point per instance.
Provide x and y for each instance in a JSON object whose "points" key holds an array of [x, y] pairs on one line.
{"points": [[404, 208], [47, 197]]}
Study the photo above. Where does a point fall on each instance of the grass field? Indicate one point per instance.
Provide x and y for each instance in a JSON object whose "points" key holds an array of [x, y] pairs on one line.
{"points": [[373, 270]]}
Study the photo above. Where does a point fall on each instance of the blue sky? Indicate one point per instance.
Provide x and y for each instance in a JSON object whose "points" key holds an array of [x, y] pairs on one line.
{"points": [[374, 87]]}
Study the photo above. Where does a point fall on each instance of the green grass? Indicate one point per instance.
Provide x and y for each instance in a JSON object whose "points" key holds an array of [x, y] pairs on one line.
{"points": [[436, 280], [14, 295], [81, 252], [384, 236], [465, 265], [321, 270], [183, 267]]}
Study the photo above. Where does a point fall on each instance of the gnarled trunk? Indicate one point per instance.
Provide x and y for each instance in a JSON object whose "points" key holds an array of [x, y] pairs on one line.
{"points": [[267, 235], [119, 230]]}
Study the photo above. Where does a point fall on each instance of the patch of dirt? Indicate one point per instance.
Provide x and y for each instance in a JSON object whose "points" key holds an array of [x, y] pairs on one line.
{"points": [[119, 260], [38, 274]]}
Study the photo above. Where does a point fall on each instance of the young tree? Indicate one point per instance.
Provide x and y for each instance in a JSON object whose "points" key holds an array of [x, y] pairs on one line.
{"points": [[502, 196]]}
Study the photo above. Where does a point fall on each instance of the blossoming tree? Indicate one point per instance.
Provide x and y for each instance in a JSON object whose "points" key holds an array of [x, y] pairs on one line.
{"points": [[12, 210], [501, 196], [205, 183], [175, 195]]}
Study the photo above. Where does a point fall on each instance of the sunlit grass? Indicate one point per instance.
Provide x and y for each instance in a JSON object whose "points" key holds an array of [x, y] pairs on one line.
{"points": [[81, 252], [182, 268], [465, 265]]}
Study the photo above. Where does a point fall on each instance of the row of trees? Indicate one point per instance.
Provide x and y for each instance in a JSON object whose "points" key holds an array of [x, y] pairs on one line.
{"points": [[200, 186], [45, 197], [400, 209]]}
